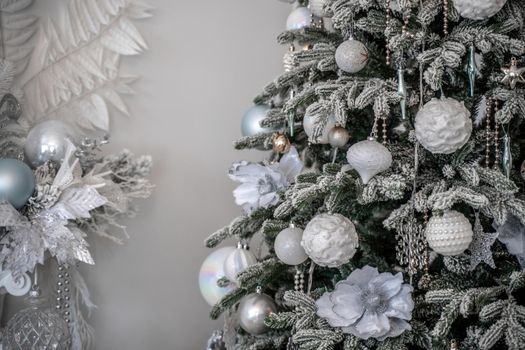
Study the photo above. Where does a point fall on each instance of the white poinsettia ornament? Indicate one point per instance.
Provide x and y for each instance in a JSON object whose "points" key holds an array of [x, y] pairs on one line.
{"points": [[369, 304], [260, 183]]}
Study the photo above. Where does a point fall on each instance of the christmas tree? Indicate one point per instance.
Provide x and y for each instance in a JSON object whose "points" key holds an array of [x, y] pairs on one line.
{"points": [[391, 211]]}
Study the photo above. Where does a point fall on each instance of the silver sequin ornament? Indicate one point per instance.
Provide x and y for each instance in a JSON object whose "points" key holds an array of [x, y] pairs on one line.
{"points": [[351, 56], [252, 311]]}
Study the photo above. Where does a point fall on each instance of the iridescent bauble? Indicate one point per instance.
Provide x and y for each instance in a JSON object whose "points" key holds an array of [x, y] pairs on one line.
{"points": [[309, 124], [299, 18], [449, 234], [47, 141], [338, 137], [237, 262], [17, 182], [34, 328], [288, 246], [317, 7], [443, 125], [478, 9], [211, 271], [351, 56], [369, 158], [330, 240], [250, 124], [252, 311]]}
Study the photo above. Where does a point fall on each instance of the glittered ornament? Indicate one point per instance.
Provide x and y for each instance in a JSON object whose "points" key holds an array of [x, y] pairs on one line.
{"points": [[288, 247], [309, 125], [299, 18], [17, 182], [338, 137], [369, 158], [330, 240], [351, 56], [449, 234], [211, 271], [280, 143], [250, 124], [443, 125], [48, 141], [237, 262], [252, 311], [478, 9], [317, 7]]}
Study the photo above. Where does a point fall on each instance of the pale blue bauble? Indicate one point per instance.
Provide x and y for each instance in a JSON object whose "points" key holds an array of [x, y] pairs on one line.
{"points": [[47, 141], [250, 124], [17, 182]]}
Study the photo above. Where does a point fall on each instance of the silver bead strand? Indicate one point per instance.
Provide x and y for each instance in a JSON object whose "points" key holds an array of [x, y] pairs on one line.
{"points": [[63, 299]]}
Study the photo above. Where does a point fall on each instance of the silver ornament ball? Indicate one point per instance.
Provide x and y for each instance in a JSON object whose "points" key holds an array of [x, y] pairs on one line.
{"points": [[309, 125], [338, 137], [47, 141], [250, 124], [299, 18], [478, 9], [237, 262], [317, 7], [253, 309], [288, 247], [351, 56], [17, 182], [449, 234]]}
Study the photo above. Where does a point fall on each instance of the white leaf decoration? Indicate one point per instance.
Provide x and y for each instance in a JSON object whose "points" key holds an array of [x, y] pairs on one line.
{"points": [[77, 202]]}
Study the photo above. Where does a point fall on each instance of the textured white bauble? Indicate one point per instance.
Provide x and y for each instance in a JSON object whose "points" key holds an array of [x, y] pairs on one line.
{"points": [[237, 262], [317, 7], [449, 234], [211, 271], [330, 240], [478, 9], [443, 125], [252, 311], [369, 158], [308, 126], [351, 56], [288, 246], [299, 18]]}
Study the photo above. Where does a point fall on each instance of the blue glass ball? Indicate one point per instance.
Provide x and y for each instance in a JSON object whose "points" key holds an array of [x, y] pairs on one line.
{"points": [[250, 124], [17, 182]]}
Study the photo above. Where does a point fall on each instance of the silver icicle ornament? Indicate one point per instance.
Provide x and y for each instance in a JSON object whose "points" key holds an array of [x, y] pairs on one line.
{"points": [[369, 158], [478, 9], [402, 92], [351, 56]]}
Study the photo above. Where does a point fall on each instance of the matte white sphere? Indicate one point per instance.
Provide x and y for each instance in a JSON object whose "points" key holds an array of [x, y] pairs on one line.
{"points": [[330, 240], [288, 246], [211, 271], [478, 9], [250, 124], [252, 311], [237, 262], [369, 158], [309, 124], [299, 18], [449, 234], [443, 125], [47, 141], [317, 7], [351, 56]]}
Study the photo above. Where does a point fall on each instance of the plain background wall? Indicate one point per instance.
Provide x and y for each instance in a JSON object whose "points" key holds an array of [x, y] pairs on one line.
{"points": [[206, 62]]}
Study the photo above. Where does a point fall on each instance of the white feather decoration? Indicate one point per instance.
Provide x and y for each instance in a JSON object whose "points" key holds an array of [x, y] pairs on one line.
{"points": [[78, 63]]}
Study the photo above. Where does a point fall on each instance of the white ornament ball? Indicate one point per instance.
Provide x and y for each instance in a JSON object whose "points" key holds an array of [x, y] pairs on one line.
{"points": [[299, 18], [478, 9], [330, 240], [309, 124], [237, 262], [317, 7], [369, 158], [252, 311], [449, 234], [443, 125], [211, 271], [351, 56], [288, 246]]}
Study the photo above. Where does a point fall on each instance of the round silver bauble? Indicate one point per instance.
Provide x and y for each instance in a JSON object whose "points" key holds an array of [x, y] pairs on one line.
{"points": [[211, 271], [478, 9], [309, 124], [252, 311], [250, 124], [317, 7], [17, 182], [299, 18], [443, 125], [369, 158], [330, 240], [288, 247], [338, 137], [449, 234], [237, 262], [47, 141], [351, 56]]}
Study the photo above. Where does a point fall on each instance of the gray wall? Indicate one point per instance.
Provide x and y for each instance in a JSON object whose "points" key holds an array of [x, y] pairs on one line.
{"points": [[207, 60]]}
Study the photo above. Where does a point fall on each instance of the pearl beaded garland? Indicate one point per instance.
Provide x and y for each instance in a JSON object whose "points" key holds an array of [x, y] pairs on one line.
{"points": [[449, 234]]}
